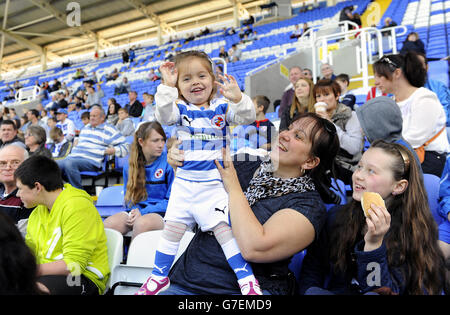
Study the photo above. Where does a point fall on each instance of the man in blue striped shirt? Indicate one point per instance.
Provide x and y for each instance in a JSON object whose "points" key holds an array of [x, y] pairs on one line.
{"points": [[96, 140]]}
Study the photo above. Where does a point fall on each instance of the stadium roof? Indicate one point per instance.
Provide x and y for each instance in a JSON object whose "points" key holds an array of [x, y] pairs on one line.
{"points": [[32, 27]]}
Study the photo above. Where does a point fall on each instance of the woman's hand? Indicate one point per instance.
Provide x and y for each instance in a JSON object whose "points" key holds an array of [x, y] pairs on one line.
{"points": [[175, 156], [229, 88], [227, 172], [169, 73], [378, 223], [132, 216]]}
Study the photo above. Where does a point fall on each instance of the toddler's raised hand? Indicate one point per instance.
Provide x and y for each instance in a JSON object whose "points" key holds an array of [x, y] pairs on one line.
{"points": [[169, 73], [229, 88]]}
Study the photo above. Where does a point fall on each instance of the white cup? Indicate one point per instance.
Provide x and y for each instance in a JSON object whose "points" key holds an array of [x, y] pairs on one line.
{"points": [[320, 107]]}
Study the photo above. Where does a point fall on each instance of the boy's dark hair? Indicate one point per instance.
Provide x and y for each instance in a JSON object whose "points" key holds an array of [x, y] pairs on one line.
{"points": [[343, 77], [85, 115], [40, 169], [262, 100], [8, 122]]}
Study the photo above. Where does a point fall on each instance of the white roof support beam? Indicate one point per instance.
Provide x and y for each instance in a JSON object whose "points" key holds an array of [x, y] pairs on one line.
{"points": [[61, 16], [149, 14]]}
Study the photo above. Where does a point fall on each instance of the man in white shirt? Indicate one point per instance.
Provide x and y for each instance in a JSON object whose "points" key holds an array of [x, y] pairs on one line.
{"points": [[66, 125]]}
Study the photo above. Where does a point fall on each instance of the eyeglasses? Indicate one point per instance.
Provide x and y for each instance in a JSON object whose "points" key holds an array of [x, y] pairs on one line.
{"points": [[13, 164], [389, 61]]}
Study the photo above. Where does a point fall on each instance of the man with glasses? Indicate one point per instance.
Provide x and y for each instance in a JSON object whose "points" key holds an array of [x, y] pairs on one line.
{"points": [[11, 156]]}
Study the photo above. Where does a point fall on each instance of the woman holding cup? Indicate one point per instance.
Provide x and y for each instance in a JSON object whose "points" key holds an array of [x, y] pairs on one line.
{"points": [[351, 139], [303, 102]]}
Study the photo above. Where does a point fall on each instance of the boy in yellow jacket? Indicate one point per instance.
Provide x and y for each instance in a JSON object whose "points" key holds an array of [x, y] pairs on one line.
{"points": [[65, 231]]}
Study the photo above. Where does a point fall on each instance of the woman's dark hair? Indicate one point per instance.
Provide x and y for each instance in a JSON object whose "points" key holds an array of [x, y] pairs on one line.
{"points": [[327, 85], [324, 145], [17, 263], [116, 106], [40, 169], [410, 65]]}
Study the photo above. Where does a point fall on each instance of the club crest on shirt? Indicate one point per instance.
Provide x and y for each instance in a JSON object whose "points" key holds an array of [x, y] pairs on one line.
{"points": [[218, 121], [159, 173]]}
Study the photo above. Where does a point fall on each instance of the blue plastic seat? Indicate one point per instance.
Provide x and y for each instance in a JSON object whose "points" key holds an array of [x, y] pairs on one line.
{"points": [[111, 201]]}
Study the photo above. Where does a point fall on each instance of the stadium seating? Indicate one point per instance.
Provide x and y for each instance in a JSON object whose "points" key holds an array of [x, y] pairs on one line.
{"points": [[126, 279], [110, 201]]}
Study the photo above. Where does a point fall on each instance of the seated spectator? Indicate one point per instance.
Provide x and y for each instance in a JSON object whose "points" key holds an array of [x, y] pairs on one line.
{"points": [[307, 73], [262, 132], [125, 125], [424, 117], [65, 124], [131, 54], [381, 118], [249, 21], [305, 28], [18, 267], [407, 260], [351, 139], [252, 36], [149, 107], [85, 118], [10, 96], [327, 71], [296, 33], [413, 43], [35, 139], [302, 102], [388, 23], [438, 87], [11, 156], [234, 53], [125, 56], [8, 134], [295, 73], [223, 54], [24, 123], [152, 76], [93, 77], [79, 74], [134, 107], [346, 13], [147, 180], [112, 116], [96, 140], [112, 76], [5, 113], [60, 147], [94, 97], [123, 87], [374, 92], [346, 97], [73, 242], [269, 230]]}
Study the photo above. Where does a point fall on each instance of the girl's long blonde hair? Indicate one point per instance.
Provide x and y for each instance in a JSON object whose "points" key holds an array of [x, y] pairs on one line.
{"points": [[135, 190], [296, 107]]}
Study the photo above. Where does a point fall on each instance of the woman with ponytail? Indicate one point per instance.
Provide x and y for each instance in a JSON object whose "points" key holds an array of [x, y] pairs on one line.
{"points": [[424, 118], [394, 250], [147, 182]]}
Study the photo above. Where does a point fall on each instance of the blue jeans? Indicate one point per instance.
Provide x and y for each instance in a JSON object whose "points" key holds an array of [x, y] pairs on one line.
{"points": [[71, 168], [176, 289]]}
